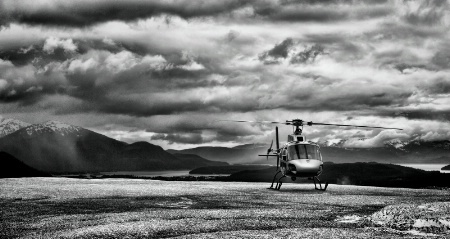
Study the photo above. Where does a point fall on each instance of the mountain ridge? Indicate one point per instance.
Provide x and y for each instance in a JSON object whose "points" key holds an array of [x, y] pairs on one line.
{"points": [[57, 147], [409, 152], [8, 126]]}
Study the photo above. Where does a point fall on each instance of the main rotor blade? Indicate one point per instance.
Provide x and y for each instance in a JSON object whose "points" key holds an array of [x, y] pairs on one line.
{"points": [[360, 126], [260, 122]]}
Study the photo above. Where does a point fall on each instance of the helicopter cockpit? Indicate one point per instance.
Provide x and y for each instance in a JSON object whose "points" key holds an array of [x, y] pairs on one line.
{"points": [[303, 151]]}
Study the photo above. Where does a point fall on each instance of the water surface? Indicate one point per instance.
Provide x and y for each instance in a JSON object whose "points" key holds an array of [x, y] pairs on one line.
{"points": [[427, 167]]}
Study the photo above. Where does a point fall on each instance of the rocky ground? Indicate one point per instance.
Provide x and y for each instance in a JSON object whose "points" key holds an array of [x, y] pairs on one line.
{"points": [[136, 208]]}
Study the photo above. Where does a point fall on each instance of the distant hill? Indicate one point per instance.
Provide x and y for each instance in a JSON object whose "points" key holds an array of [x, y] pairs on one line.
{"points": [[11, 167], [408, 152], [61, 148], [196, 160], [446, 167], [226, 169], [366, 174], [239, 154]]}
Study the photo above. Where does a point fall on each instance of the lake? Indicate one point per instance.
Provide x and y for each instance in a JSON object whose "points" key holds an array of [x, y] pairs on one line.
{"points": [[170, 173], [178, 173], [427, 167]]}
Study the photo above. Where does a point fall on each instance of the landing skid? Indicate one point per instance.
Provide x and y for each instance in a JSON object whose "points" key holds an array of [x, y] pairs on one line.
{"points": [[279, 183], [315, 178]]}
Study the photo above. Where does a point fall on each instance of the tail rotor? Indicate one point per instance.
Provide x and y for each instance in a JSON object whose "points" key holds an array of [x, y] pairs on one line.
{"points": [[269, 150], [278, 147]]}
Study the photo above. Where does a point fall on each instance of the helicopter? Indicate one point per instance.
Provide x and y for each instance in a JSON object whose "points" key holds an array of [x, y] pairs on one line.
{"points": [[298, 158]]}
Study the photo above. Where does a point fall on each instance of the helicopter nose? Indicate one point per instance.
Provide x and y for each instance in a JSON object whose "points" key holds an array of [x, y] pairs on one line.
{"points": [[300, 166]]}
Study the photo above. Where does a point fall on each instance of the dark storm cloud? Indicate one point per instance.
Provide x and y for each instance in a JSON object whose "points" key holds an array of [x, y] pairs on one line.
{"points": [[441, 58], [403, 66], [284, 50], [20, 56], [321, 11], [278, 51], [353, 101], [308, 55], [35, 54], [428, 13], [436, 86], [342, 47], [189, 134], [300, 13], [198, 128], [223, 59], [85, 13], [421, 114], [139, 89]]}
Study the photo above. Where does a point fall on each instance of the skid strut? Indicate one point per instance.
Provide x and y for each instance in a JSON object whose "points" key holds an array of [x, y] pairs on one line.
{"points": [[279, 183], [315, 178], [274, 177]]}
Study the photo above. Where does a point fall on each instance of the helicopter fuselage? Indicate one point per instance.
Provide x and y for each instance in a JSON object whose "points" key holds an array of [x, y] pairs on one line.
{"points": [[301, 159]]}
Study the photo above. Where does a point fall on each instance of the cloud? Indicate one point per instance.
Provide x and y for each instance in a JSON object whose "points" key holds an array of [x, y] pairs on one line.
{"points": [[322, 11], [53, 43], [426, 12], [377, 141], [278, 51], [85, 13], [420, 113], [308, 55], [191, 138], [381, 62]]}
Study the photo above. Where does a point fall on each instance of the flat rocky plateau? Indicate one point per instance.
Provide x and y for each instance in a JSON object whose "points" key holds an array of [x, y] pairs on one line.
{"points": [[138, 208]]}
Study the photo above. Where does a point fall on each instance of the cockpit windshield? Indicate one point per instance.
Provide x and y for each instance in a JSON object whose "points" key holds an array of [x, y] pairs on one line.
{"points": [[303, 151]]}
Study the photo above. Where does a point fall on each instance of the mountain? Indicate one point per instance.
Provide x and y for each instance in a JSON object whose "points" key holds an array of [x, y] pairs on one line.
{"points": [[239, 154], [197, 160], [392, 152], [8, 126], [415, 151], [61, 148], [11, 167]]}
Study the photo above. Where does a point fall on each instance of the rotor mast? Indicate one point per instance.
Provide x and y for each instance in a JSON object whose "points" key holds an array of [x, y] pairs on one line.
{"points": [[297, 123]]}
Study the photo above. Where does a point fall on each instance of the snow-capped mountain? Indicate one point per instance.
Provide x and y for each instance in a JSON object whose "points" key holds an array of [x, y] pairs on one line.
{"points": [[396, 143], [332, 143], [53, 127], [8, 126], [58, 147]]}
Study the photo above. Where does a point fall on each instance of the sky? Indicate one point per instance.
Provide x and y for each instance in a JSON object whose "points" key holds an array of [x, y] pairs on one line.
{"points": [[167, 72]]}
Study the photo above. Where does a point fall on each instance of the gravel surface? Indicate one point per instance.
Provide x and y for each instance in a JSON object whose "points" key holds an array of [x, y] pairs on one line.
{"points": [[134, 208]]}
